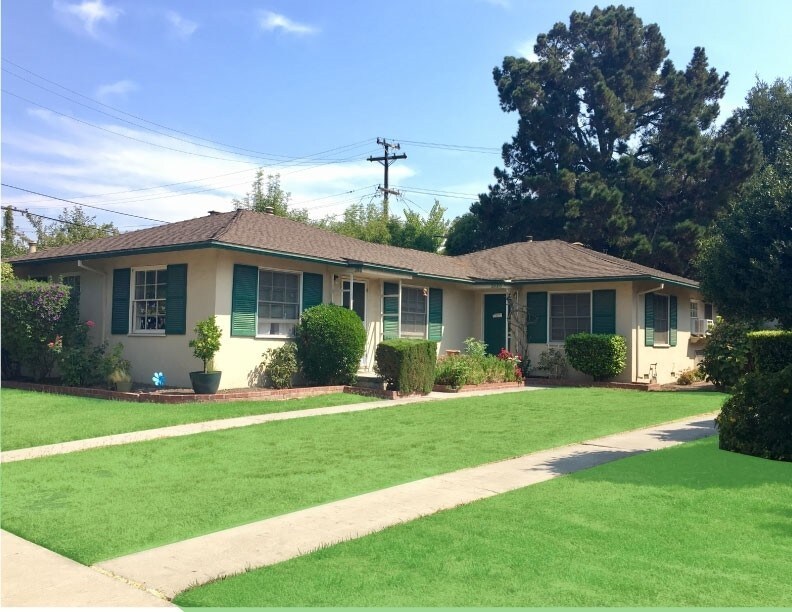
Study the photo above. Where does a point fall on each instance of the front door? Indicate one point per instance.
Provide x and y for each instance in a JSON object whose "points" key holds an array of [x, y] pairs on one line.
{"points": [[495, 322], [356, 299]]}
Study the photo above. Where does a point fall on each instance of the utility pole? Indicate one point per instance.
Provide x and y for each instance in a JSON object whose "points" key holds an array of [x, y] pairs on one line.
{"points": [[386, 160]]}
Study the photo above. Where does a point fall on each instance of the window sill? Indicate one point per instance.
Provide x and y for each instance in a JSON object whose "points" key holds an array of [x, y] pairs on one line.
{"points": [[268, 337], [661, 346], [147, 334]]}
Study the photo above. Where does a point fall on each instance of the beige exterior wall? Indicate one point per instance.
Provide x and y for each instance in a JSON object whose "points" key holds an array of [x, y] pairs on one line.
{"points": [[209, 288], [630, 301]]}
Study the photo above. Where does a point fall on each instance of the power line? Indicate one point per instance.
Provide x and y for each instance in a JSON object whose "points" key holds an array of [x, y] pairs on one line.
{"points": [[27, 212], [79, 204], [452, 147]]}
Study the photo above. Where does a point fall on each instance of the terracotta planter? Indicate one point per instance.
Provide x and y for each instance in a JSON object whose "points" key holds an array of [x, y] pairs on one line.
{"points": [[205, 383]]}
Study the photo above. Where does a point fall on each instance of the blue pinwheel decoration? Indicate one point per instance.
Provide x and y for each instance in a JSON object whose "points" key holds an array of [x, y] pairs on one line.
{"points": [[158, 379]]}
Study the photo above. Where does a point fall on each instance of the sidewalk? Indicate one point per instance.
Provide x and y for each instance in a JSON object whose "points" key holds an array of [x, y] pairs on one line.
{"points": [[35, 576], [220, 424], [167, 570]]}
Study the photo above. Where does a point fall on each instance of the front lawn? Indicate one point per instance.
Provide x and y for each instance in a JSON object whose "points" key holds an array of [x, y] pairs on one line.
{"points": [[28, 418], [107, 502], [687, 526]]}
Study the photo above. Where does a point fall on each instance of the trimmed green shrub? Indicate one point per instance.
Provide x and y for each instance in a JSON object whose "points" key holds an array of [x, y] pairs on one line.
{"points": [[330, 344], [280, 365], [727, 353], [757, 419], [408, 366], [452, 371], [35, 317], [206, 342], [771, 350], [602, 356]]}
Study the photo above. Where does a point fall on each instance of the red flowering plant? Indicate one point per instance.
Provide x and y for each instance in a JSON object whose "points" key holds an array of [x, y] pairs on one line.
{"points": [[514, 360]]}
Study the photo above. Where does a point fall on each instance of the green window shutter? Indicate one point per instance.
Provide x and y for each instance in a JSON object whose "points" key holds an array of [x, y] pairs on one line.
{"points": [[435, 314], [603, 310], [672, 320], [537, 317], [390, 311], [176, 300], [120, 314], [649, 319], [312, 290], [244, 294]]}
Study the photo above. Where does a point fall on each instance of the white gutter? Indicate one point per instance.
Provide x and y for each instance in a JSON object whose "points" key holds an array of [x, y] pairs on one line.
{"points": [[81, 265], [638, 324]]}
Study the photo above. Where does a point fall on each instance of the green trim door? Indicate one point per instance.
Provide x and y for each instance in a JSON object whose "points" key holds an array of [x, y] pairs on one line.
{"points": [[495, 322]]}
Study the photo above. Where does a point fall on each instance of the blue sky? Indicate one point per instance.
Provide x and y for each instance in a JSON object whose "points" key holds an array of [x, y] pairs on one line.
{"points": [[302, 88]]}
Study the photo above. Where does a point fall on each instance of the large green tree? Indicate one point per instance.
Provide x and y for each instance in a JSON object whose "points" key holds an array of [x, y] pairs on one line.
{"points": [[73, 226], [267, 193], [368, 222], [12, 241], [615, 146], [746, 262]]}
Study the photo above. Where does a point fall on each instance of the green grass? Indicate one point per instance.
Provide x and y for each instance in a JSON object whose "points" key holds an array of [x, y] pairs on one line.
{"points": [[108, 502], [29, 419], [688, 526]]}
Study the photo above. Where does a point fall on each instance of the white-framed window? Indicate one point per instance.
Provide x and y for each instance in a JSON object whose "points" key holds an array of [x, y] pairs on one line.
{"points": [[570, 313], [661, 319], [278, 302], [414, 311], [149, 287]]}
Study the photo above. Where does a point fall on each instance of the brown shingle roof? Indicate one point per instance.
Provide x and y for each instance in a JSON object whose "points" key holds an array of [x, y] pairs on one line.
{"points": [[523, 261]]}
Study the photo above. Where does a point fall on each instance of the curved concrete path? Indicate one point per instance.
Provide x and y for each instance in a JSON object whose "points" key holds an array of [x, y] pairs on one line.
{"points": [[167, 570], [219, 424]]}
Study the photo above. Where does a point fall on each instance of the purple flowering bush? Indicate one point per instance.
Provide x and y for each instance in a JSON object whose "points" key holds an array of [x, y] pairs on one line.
{"points": [[41, 328]]}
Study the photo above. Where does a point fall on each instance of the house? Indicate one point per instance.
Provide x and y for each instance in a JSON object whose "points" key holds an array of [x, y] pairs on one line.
{"points": [[257, 272]]}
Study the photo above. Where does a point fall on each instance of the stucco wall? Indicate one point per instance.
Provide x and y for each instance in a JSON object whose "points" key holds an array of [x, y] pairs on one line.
{"points": [[630, 324]]}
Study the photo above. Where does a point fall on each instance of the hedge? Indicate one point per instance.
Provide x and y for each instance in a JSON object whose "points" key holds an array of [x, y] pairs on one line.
{"points": [[727, 355], [35, 318], [602, 356], [408, 366], [771, 350], [330, 344], [757, 419]]}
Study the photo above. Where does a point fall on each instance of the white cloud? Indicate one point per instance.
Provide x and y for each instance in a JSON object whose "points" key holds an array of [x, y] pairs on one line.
{"points": [[89, 13], [184, 28], [66, 159], [119, 88], [271, 22], [526, 50]]}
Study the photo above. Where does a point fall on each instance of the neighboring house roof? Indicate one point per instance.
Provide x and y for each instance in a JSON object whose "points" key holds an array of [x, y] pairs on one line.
{"points": [[523, 262]]}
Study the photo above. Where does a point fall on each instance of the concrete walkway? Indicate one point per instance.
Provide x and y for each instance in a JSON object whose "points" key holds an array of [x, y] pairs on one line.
{"points": [[34, 576], [220, 424], [173, 568]]}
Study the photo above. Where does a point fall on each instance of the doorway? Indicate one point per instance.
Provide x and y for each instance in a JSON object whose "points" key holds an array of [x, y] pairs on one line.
{"points": [[495, 321], [356, 298]]}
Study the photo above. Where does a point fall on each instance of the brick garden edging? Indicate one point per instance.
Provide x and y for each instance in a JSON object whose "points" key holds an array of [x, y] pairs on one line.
{"points": [[560, 382], [187, 397], [481, 387]]}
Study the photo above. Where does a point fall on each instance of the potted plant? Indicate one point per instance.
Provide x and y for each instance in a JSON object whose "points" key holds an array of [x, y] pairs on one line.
{"points": [[205, 345], [117, 369]]}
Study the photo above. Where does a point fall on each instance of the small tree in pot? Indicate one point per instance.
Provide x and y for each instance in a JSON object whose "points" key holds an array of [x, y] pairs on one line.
{"points": [[205, 345]]}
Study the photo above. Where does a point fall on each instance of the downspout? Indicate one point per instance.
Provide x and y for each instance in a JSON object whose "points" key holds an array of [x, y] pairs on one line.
{"points": [[81, 265], [638, 324]]}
